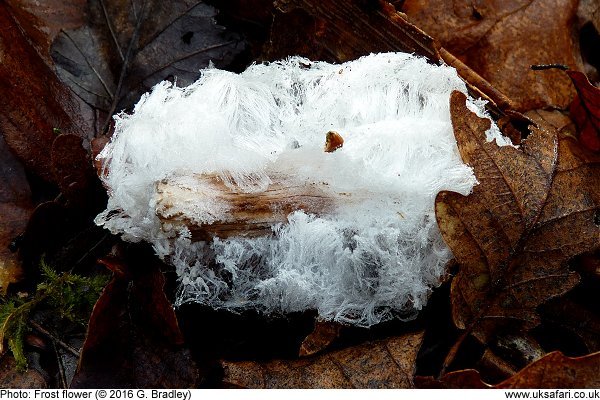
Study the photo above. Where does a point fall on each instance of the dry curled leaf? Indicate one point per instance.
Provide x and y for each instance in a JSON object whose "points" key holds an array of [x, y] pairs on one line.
{"points": [[534, 208], [387, 363], [324, 333], [500, 40], [333, 141], [126, 47], [552, 371], [585, 110], [557, 371], [494, 366], [588, 22]]}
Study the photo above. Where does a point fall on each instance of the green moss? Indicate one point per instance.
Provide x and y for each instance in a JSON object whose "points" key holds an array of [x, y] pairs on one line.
{"points": [[70, 296]]}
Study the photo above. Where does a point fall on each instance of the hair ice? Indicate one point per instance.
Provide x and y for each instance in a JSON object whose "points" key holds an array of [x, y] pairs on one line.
{"points": [[376, 256]]}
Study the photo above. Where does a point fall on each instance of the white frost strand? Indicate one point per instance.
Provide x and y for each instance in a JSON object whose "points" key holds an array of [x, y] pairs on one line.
{"points": [[375, 257]]}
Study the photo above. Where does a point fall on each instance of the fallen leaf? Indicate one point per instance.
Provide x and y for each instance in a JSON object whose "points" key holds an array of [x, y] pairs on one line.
{"points": [[557, 371], [552, 371], [252, 19], [589, 12], [26, 121], [534, 209], [463, 379], [133, 338], [519, 348], [501, 40], [585, 110], [386, 363], [126, 47], [42, 21], [324, 333], [15, 209], [556, 119]]}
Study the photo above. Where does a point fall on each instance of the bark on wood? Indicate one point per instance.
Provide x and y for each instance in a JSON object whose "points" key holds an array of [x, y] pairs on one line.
{"points": [[248, 214]]}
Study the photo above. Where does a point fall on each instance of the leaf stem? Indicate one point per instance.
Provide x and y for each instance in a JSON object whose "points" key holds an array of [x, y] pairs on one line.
{"points": [[54, 338], [111, 30], [453, 351], [104, 85], [132, 42]]}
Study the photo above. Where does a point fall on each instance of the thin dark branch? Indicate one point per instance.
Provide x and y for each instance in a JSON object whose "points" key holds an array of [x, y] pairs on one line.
{"points": [[166, 26], [454, 350], [132, 42], [61, 367], [94, 247], [541, 67], [184, 57], [88, 90], [46, 333], [104, 85], [111, 30], [133, 10]]}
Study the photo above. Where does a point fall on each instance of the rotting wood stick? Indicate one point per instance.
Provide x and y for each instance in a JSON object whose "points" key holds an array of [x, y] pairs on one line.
{"points": [[250, 214]]}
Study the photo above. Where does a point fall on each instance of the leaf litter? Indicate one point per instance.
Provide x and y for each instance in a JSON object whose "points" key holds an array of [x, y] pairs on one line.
{"points": [[110, 26], [120, 53], [533, 210]]}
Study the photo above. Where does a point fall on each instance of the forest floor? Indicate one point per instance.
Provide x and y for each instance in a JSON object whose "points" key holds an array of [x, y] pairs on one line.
{"points": [[518, 307]]}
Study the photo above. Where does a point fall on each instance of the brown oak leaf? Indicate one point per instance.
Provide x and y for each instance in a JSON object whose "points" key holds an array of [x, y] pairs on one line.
{"points": [[534, 208], [500, 40], [551, 371], [557, 371], [386, 363]]}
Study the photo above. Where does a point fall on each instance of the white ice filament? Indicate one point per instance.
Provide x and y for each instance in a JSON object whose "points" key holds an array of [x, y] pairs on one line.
{"points": [[378, 255]]}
